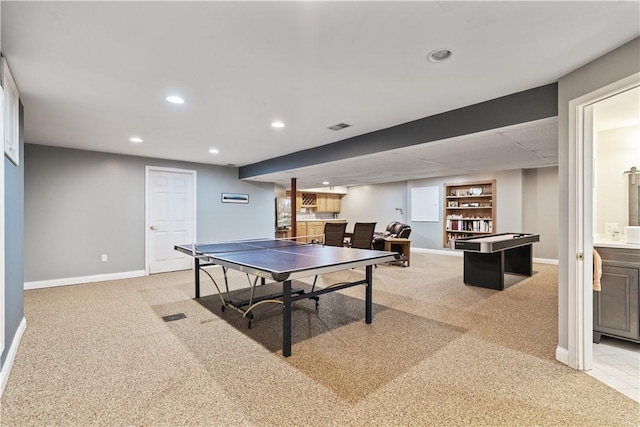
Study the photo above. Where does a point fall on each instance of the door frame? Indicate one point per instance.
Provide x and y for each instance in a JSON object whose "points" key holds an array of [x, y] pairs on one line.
{"points": [[147, 222], [580, 241], [2, 233]]}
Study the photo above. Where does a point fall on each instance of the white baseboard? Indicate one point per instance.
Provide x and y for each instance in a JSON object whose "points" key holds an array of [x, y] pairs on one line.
{"points": [[562, 355], [545, 261], [11, 355], [84, 279], [437, 251]]}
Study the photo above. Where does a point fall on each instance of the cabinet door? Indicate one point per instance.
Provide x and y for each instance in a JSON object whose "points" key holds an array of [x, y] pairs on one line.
{"points": [[615, 310], [315, 230], [301, 231], [298, 201], [321, 200], [335, 203]]}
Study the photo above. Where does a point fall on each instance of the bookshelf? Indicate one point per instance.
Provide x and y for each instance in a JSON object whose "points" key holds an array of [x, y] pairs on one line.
{"points": [[469, 210]]}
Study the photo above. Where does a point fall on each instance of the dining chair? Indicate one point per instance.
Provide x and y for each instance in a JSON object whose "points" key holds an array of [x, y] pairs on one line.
{"points": [[363, 235], [334, 233]]}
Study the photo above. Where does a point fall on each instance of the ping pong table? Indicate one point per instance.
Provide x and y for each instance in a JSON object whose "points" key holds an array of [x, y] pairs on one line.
{"points": [[282, 261]]}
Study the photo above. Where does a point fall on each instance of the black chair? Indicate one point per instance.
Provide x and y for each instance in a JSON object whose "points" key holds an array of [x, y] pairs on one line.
{"points": [[334, 233], [363, 235]]}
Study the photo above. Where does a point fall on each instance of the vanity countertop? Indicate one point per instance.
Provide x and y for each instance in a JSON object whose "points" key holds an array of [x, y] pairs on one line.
{"points": [[615, 244], [607, 242]]}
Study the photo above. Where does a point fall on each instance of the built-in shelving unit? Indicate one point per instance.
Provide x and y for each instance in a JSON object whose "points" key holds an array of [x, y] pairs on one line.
{"points": [[469, 210]]}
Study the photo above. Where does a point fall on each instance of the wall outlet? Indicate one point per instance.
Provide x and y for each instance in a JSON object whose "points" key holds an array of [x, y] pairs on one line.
{"points": [[104, 257]]}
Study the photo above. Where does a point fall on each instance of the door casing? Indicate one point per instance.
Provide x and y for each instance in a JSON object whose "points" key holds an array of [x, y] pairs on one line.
{"points": [[147, 225]]}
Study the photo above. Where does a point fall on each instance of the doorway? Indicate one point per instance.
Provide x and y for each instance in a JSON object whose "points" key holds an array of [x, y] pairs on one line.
{"points": [[170, 218], [580, 242]]}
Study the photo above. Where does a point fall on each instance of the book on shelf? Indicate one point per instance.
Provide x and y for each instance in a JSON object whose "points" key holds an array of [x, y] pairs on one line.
{"points": [[457, 223]]}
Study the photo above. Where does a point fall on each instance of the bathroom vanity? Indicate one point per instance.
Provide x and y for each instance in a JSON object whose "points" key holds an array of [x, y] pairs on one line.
{"points": [[616, 306]]}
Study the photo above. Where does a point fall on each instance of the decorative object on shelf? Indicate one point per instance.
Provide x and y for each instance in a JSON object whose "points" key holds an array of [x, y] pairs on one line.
{"points": [[475, 191], [235, 198], [452, 204]]}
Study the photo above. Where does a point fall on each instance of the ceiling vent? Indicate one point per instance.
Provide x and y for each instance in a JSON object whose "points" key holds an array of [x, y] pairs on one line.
{"points": [[339, 126]]}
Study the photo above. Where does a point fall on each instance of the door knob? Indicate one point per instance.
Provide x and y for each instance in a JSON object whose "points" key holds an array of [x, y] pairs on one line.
{"points": [[153, 227]]}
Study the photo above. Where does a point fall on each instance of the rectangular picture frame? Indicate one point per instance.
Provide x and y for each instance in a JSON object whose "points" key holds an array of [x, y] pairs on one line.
{"points": [[235, 198]]}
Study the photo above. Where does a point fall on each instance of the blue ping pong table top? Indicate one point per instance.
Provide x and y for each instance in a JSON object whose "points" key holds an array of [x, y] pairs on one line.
{"points": [[283, 256]]}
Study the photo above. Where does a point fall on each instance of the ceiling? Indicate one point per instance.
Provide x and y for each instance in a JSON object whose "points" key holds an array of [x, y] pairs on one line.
{"points": [[94, 74]]}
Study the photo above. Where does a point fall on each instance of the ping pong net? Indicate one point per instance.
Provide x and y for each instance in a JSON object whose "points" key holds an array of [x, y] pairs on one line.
{"points": [[246, 245]]}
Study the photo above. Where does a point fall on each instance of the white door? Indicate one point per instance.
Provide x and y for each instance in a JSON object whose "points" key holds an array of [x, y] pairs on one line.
{"points": [[170, 218]]}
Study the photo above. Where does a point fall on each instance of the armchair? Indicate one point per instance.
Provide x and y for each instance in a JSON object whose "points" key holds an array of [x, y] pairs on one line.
{"points": [[395, 229]]}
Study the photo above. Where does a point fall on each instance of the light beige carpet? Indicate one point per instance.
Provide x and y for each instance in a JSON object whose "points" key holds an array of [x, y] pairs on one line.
{"points": [[437, 353]]}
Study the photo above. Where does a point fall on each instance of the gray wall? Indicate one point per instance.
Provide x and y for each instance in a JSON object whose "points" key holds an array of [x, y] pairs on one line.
{"points": [[81, 204], [374, 203], [507, 202], [13, 243], [517, 191], [612, 67], [540, 211]]}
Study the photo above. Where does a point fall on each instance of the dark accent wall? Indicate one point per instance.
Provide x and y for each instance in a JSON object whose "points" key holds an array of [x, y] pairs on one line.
{"points": [[14, 243], [521, 107]]}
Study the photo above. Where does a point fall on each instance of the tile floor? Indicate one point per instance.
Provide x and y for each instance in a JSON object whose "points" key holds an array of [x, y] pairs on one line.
{"points": [[617, 364]]}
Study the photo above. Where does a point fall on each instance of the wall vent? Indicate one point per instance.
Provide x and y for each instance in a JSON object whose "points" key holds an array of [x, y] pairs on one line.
{"points": [[339, 126], [172, 317]]}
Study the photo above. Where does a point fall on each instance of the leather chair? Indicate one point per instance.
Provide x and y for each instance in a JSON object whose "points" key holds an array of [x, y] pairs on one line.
{"points": [[394, 229]]}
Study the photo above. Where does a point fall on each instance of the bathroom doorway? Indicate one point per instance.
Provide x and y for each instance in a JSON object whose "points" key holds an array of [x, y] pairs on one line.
{"points": [[616, 155], [579, 352]]}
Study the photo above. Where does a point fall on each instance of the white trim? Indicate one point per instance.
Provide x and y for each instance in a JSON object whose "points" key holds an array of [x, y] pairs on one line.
{"points": [[550, 261], [147, 223], [437, 251], [11, 355], [580, 165], [2, 233], [39, 284], [562, 355]]}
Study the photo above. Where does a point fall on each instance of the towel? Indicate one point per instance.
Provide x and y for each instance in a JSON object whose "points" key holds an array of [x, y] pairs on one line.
{"points": [[597, 270]]}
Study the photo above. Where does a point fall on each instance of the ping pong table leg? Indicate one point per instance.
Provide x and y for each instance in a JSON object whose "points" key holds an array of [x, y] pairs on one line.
{"points": [[197, 272], [368, 311], [286, 318]]}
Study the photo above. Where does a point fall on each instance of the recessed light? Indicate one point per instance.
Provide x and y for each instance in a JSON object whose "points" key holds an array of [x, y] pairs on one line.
{"points": [[135, 139], [213, 151], [175, 100], [439, 55], [277, 124]]}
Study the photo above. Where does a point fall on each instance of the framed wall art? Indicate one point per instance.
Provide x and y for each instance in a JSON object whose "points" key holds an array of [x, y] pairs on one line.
{"points": [[235, 198]]}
